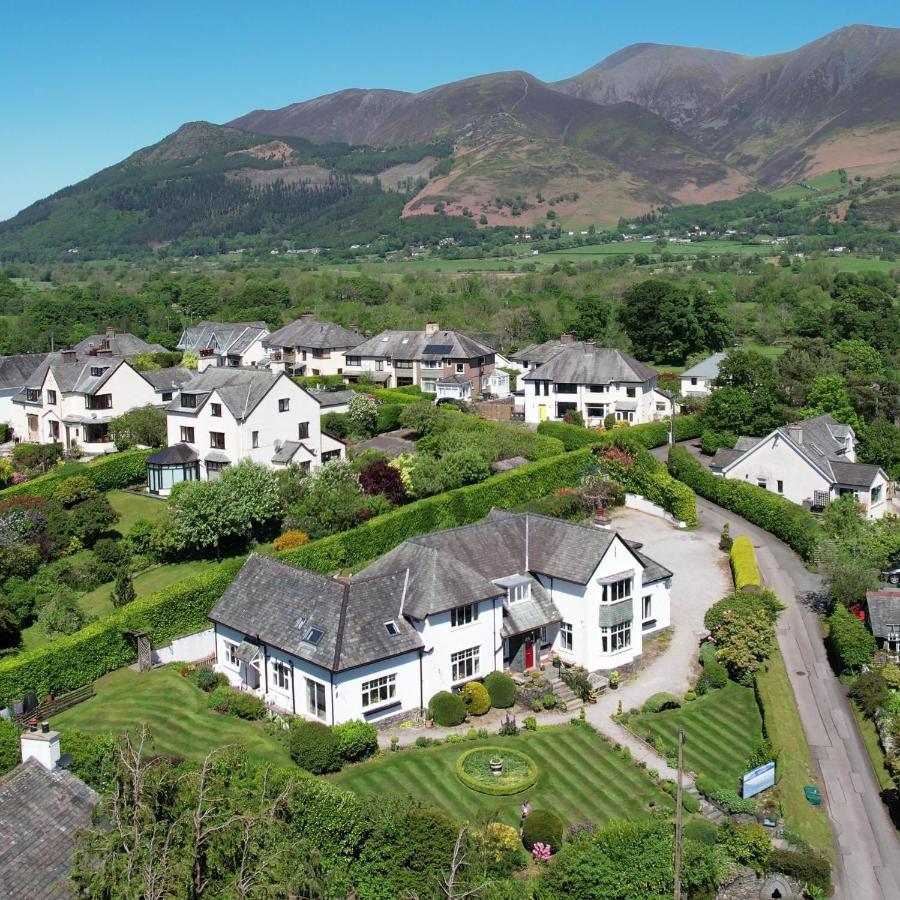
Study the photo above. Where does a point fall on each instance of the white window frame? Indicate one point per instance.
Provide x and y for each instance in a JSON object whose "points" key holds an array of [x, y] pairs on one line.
{"points": [[519, 592], [465, 664], [282, 674], [231, 659], [647, 607], [615, 638], [624, 587], [566, 641], [379, 690], [464, 615], [313, 690]]}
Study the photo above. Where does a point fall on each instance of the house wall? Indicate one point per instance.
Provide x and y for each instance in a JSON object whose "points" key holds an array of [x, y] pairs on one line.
{"points": [[8, 410], [302, 358], [871, 510], [697, 386], [409, 689], [645, 397]]}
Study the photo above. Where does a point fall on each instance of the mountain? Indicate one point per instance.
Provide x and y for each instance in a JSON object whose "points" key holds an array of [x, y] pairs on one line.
{"points": [[649, 126]]}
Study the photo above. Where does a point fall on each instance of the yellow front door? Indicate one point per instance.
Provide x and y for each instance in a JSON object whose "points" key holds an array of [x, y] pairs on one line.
{"points": [[542, 412]]}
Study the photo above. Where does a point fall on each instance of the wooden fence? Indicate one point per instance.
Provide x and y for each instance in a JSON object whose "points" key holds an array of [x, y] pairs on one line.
{"points": [[54, 707]]}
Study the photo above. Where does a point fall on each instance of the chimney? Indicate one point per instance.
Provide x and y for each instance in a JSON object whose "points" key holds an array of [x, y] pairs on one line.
{"points": [[795, 432], [431, 328], [306, 317], [566, 338], [69, 356], [353, 327], [590, 346], [110, 330], [41, 745]]}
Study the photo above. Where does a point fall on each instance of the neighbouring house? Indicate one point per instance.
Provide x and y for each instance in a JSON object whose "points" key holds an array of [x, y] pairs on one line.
{"points": [[534, 355], [404, 358], [333, 401], [811, 462], [166, 382], [698, 379], [224, 415], [111, 343], [71, 398], [595, 382], [310, 347], [42, 809], [229, 344], [14, 372], [883, 614], [435, 612]]}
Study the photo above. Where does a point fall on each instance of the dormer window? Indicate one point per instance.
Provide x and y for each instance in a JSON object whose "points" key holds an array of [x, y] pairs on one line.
{"points": [[189, 401], [518, 588], [97, 371]]}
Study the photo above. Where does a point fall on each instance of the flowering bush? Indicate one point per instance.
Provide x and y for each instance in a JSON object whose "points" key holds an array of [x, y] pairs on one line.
{"points": [[582, 828], [541, 852], [290, 540]]}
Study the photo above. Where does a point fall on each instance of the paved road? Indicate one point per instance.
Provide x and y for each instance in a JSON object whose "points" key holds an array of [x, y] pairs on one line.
{"points": [[868, 851]]}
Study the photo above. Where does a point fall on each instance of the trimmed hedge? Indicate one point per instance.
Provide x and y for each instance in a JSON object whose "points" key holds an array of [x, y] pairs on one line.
{"points": [[116, 470], [658, 702], [648, 435], [356, 740], [369, 540], [73, 661], [448, 709], [388, 395], [501, 688], [543, 826], [315, 747], [795, 526], [476, 697], [743, 565], [849, 641], [498, 789]]}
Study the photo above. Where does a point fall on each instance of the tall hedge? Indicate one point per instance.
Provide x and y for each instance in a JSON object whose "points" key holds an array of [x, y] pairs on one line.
{"points": [[351, 549], [648, 435], [791, 523], [850, 643], [115, 470], [76, 660], [743, 564]]}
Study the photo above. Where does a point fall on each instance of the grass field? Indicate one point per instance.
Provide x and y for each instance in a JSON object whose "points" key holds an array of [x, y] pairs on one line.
{"points": [[175, 709], [581, 778], [132, 507], [721, 729], [795, 762]]}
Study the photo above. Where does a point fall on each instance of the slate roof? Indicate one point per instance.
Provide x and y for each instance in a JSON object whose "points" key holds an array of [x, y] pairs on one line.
{"points": [[855, 474], [706, 368], [884, 611], [455, 379], [75, 376], [277, 604], [168, 379], [116, 344], [332, 398], [16, 370], [230, 337], [725, 457], [538, 354], [582, 365], [529, 615], [313, 334], [240, 389], [286, 452], [413, 345], [177, 454], [40, 814]]}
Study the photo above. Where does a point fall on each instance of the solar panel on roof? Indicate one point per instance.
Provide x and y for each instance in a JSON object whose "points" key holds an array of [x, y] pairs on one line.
{"points": [[438, 349]]}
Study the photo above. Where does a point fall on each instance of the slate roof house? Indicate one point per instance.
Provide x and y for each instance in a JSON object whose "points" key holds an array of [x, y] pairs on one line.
{"points": [[226, 343], [310, 347], [42, 809], [111, 343], [697, 380], [811, 462], [403, 358], [14, 372], [435, 612], [224, 415], [883, 614], [593, 381]]}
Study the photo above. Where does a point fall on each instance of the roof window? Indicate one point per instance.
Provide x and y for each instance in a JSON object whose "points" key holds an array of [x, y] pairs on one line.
{"points": [[313, 636], [391, 628], [97, 371]]}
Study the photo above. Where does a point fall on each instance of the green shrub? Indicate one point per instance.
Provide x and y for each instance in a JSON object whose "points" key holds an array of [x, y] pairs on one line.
{"points": [[9, 746], [649, 435], [206, 679], [529, 723], [701, 830], [658, 702], [743, 564], [732, 801], [388, 417], [689, 696], [690, 803], [502, 690], [447, 709], [716, 674], [314, 747], [454, 739], [559, 505], [93, 757], [743, 603], [850, 643], [710, 441], [356, 740], [245, 705], [806, 867], [748, 845], [543, 826], [870, 692], [476, 697], [791, 523], [106, 645]]}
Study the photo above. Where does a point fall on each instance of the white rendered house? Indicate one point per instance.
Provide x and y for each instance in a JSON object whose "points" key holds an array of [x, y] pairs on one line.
{"points": [[310, 347], [437, 611], [595, 382], [698, 380], [14, 372], [225, 415], [811, 463], [229, 344]]}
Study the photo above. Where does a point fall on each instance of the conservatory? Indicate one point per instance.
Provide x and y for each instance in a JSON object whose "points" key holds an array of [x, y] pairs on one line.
{"points": [[170, 466]]}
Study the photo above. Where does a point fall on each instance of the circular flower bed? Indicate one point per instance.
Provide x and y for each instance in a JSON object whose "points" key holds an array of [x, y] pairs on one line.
{"points": [[473, 768]]}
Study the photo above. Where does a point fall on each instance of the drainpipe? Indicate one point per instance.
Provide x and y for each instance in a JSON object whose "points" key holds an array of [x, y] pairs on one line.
{"points": [[265, 667], [293, 688], [421, 682], [331, 681], [216, 642]]}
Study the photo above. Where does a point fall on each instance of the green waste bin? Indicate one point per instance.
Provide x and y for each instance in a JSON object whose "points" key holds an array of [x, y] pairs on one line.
{"points": [[813, 795]]}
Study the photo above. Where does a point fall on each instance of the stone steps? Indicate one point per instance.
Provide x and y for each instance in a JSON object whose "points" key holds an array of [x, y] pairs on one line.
{"points": [[565, 693]]}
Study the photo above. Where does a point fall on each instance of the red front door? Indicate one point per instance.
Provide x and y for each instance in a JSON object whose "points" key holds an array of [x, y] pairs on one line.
{"points": [[529, 655]]}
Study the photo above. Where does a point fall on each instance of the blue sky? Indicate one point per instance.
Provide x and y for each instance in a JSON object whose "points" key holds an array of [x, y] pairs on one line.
{"points": [[82, 85]]}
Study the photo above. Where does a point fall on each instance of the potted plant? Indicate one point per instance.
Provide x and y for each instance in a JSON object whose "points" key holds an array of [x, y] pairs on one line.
{"points": [[614, 679], [496, 766], [429, 719]]}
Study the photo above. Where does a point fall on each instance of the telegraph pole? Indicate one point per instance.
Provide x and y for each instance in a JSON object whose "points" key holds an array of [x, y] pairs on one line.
{"points": [[678, 795]]}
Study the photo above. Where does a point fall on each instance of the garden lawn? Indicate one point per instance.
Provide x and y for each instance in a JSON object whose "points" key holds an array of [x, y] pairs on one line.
{"points": [[721, 729], [175, 709], [132, 507], [795, 767], [580, 777]]}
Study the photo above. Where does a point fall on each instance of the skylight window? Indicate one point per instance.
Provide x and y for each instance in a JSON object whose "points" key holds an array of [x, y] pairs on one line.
{"points": [[391, 628], [96, 371], [314, 635]]}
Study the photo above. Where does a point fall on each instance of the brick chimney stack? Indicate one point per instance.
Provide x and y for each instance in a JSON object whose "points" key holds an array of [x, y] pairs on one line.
{"points": [[566, 338], [431, 328]]}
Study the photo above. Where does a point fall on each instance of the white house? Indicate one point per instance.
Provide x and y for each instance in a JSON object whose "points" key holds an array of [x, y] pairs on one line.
{"points": [[594, 381], [226, 343], [310, 347], [811, 463], [224, 415], [113, 343], [437, 611], [698, 379], [71, 398], [403, 358], [14, 372]]}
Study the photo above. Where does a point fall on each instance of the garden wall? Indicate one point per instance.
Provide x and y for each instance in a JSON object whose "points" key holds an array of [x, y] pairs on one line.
{"points": [[642, 504], [190, 648]]}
